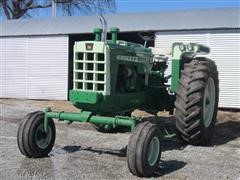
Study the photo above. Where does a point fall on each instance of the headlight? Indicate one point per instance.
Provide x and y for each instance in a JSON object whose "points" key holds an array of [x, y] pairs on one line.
{"points": [[182, 47], [190, 47]]}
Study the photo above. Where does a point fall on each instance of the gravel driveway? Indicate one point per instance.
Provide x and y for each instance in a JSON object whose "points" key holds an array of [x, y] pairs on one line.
{"points": [[80, 152]]}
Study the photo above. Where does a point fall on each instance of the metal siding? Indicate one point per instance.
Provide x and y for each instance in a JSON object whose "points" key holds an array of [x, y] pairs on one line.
{"points": [[48, 67], [35, 67], [225, 51], [13, 68]]}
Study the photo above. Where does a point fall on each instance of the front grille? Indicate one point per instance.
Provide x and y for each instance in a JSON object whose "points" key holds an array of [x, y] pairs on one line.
{"points": [[90, 72]]}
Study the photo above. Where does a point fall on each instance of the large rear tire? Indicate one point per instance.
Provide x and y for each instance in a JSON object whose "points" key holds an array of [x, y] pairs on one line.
{"points": [[197, 101]]}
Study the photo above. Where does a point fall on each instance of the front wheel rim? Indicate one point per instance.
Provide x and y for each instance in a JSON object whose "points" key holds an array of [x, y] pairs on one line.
{"points": [[209, 102], [153, 151], [42, 138]]}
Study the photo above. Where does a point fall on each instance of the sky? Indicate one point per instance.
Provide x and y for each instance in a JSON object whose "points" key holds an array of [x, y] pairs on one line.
{"points": [[125, 6], [131, 6]]}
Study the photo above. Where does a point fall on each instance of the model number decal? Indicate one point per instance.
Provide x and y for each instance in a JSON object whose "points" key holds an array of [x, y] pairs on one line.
{"points": [[131, 58]]}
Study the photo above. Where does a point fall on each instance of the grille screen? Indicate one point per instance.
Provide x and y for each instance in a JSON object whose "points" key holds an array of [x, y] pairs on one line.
{"points": [[90, 71]]}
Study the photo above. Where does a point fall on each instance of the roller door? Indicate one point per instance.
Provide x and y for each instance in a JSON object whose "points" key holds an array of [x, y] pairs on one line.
{"points": [[34, 67]]}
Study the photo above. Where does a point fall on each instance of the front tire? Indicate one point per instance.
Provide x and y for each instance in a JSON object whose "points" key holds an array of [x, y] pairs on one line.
{"points": [[31, 138], [144, 149], [197, 101]]}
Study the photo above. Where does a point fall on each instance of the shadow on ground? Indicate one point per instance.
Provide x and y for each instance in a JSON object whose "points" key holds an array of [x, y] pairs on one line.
{"points": [[121, 152], [225, 132], [227, 129], [165, 167], [166, 146]]}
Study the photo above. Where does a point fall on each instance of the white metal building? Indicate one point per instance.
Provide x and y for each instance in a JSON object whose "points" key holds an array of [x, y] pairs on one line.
{"points": [[34, 67], [36, 54]]}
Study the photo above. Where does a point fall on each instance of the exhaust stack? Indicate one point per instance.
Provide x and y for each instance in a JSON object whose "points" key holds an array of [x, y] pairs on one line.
{"points": [[104, 27]]}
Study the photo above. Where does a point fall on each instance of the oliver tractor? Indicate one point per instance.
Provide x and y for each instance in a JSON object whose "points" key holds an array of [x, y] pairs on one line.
{"points": [[111, 78]]}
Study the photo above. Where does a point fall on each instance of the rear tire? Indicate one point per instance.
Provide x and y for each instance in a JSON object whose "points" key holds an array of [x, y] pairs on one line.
{"points": [[31, 138], [197, 101], [144, 149]]}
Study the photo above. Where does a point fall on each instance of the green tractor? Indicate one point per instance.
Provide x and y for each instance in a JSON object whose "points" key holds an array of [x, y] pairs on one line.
{"points": [[111, 78]]}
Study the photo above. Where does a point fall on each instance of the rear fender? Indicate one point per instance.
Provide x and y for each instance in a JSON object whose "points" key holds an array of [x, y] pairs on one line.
{"points": [[184, 53]]}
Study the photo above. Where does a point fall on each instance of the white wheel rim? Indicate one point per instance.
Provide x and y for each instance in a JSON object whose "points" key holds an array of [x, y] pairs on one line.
{"points": [[209, 102], [43, 140], [153, 151]]}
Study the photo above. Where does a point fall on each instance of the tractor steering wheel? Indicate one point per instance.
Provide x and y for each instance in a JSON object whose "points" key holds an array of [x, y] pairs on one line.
{"points": [[146, 36]]}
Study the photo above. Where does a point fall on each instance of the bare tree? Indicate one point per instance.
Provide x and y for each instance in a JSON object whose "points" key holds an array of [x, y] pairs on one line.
{"points": [[15, 9]]}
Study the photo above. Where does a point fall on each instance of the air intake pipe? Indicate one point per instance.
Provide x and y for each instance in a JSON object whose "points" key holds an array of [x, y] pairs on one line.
{"points": [[98, 34], [114, 31]]}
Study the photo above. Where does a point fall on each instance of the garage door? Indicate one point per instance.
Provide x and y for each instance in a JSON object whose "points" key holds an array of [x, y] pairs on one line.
{"points": [[13, 67], [225, 51], [34, 67]]}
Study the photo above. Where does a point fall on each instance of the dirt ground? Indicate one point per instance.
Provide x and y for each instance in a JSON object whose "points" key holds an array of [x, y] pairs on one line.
{"points": [[80, 152]]}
